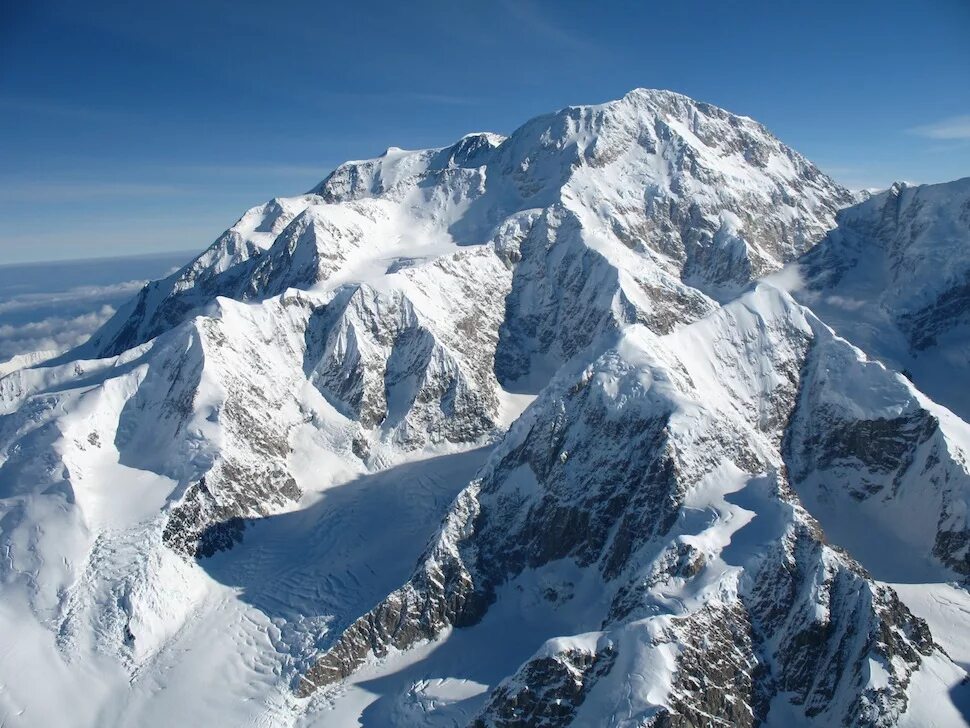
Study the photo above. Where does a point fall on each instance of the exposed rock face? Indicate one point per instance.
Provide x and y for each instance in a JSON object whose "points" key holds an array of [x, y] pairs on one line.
{"points": [[546, 691], [404, 344], [692, 500], [605, 471], [863, 434], [384, 363], [652, 215]]}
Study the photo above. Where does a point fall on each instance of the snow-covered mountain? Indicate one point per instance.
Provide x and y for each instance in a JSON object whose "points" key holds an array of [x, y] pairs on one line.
{"points": [[509, 433], [653, 497], [895, 277]]}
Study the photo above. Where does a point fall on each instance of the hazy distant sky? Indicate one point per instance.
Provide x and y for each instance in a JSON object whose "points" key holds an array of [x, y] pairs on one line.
{"points": [[132, 127]]}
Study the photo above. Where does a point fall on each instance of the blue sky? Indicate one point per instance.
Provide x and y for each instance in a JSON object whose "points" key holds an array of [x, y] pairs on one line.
{"points": [[135, 127]]}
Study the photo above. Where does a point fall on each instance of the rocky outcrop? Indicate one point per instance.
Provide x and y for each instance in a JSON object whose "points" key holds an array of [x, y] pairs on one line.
{"points": [[609, 471], [546, 691]]}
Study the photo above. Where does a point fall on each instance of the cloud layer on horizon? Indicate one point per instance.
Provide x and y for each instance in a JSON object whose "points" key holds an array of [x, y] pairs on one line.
{"points": [[58, 320], [54, 333]]}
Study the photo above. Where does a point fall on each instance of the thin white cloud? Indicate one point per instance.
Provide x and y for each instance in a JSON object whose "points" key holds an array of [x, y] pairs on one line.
{"points": [[71, 310], [53, 333], [58, 320], [845, 303], [426, 97], [73, 296], [835, 170], [188, 182], [955, 127], [539, 23], [259, 170], [446, 99], [110, 238]]}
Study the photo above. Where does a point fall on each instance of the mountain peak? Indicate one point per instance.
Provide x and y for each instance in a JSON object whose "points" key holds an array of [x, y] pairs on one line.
{"points": [[677, 194], [673, 101]]}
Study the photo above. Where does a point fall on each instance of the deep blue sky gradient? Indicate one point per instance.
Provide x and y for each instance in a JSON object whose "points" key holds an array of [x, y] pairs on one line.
{"points": [[132, 127]]}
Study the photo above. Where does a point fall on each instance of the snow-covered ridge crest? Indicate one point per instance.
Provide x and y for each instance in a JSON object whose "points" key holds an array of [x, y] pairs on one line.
{"points": [[669, 192]]}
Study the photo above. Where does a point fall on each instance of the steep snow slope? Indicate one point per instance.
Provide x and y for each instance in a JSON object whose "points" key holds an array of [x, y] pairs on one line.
{"points": [[255, 612], [25, 360], [251, 454], [644, 497], [894, 277], [217, 269], [632, 211]]}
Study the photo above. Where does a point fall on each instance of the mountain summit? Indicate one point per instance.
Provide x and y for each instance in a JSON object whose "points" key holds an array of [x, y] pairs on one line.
{"points": [[523, 431]]}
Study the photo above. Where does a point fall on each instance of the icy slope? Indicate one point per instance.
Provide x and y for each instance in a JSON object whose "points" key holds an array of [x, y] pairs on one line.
{"points": [[894, 278]]}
